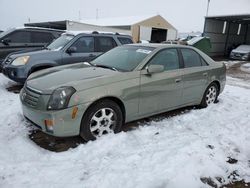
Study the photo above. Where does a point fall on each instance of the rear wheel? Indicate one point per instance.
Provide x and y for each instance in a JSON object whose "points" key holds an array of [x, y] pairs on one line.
{"points": [[210, 96], [102, 118]]}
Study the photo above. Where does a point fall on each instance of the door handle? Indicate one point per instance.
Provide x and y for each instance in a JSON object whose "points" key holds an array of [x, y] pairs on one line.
{"points": [[178, 80], [205, 74]]}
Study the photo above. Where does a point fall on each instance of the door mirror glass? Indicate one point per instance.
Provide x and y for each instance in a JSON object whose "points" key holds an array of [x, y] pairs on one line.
{"points": [[155, 69], [71, 50], [6, 41]]}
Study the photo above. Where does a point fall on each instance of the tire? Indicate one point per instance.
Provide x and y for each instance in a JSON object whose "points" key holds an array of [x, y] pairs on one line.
{"points": [[98, 120], [210, 96]]}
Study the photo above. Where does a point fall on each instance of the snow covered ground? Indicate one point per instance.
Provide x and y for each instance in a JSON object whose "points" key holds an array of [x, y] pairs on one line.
{"points": [[174, 152]]}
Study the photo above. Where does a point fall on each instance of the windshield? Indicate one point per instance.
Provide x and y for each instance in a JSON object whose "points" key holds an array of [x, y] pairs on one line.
{"points": [[60, 42], [125, 58]]}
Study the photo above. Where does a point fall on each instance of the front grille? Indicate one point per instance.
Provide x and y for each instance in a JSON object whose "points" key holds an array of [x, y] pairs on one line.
{"points": [[238, 54], [7, 61], [30, 96]]}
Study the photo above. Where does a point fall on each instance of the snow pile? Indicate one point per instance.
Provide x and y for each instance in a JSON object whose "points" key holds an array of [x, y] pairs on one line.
{"points": [[231, 63], [174, 152], [245, 67]]}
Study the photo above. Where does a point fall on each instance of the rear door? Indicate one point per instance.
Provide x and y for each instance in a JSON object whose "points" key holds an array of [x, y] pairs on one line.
{"points": [[195, 76], [84, 51], [104, 44], [162, 91]]}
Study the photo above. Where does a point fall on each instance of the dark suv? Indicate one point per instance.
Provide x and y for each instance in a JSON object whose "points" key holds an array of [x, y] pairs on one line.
{"points": [[67, 49], [26, 38]]}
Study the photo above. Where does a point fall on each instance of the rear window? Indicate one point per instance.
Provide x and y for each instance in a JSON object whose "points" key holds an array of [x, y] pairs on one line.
{"points": [[191, 58], [104, 44], [124, 40], [41, 37]]}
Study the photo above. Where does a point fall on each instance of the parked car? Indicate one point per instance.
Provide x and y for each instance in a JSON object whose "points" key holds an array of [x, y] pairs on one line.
{"points": [[25, 39], [125, 84], [242, 52], [71, 47]]}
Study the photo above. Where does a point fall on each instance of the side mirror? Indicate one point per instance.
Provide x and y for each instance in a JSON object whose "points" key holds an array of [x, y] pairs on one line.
{"points": [[155, 69], [6, 41], [71, 50]]}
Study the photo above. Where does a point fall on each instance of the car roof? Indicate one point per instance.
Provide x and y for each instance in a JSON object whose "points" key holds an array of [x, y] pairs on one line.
{"points": [[75, 33], [161, 45], [38, 28]]}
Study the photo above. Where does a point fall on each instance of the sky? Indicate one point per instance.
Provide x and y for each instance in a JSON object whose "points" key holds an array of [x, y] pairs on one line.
{"points": [[185, 15]]}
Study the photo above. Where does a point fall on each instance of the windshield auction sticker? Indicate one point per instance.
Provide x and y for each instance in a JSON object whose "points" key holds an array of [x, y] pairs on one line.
{"points": [[143, 51]]}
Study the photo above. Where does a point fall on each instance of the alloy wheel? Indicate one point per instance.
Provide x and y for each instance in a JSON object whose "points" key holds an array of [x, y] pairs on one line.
{"points": [[103, 122]]}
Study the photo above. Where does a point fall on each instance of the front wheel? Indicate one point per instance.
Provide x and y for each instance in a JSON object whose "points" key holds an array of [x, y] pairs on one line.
{"points": [[210, 96], [101, 118]]}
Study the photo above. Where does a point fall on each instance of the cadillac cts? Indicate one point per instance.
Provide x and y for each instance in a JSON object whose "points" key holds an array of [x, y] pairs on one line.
{"points": [[125, 84]]}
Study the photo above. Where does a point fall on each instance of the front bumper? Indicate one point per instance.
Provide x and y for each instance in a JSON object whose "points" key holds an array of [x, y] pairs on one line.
{"points": [[17, 74], [239, 56], [64, 124]]}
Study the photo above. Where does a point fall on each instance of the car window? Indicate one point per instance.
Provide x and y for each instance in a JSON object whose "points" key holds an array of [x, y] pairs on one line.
{"points": [[41, 37], [168, 58], [191, 58], [104, 44], [203, 62], [19, 37], [84, 45], [124, 40]]}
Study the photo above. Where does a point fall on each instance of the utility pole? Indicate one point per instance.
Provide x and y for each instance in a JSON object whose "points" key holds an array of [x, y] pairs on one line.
{"points": [[208, 2], [97, 16], [79, 15]]}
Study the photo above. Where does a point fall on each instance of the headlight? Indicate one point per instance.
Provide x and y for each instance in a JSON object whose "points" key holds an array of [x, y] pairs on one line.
{"points": [[20, 61], [245, 56], [60, 98]]}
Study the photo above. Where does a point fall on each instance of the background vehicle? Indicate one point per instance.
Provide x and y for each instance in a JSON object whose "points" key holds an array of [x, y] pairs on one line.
{"points": [[26, 38], [71, 47], [125, 84], [242, 52]]}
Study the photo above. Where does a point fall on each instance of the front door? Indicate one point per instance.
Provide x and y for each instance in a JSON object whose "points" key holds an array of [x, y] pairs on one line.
{"points": [[161, 91], [84, 51]]}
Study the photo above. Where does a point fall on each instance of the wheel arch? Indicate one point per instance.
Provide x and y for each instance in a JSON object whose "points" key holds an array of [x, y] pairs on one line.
{"points": [[40, 67], [118, 101], [218, 84]]}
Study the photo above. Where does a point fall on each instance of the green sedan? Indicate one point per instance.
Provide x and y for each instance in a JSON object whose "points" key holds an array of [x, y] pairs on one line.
{"points": [[125, 84]]}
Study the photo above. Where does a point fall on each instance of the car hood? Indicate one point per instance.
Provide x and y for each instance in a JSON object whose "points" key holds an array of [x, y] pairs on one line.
{"points": [[80, 76], [242, 49], [40, 53]]}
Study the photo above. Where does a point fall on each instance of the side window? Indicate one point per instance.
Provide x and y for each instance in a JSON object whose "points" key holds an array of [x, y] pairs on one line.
{"points": [[191, 58], [84, 45], [41, 37], [124, 40], [203, 62], [19, 37], [168, 58], [104, 44]]}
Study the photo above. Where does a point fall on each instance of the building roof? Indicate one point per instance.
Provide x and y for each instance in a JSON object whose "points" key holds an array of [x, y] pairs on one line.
{"points": [[117, 21], [233, 17]]}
